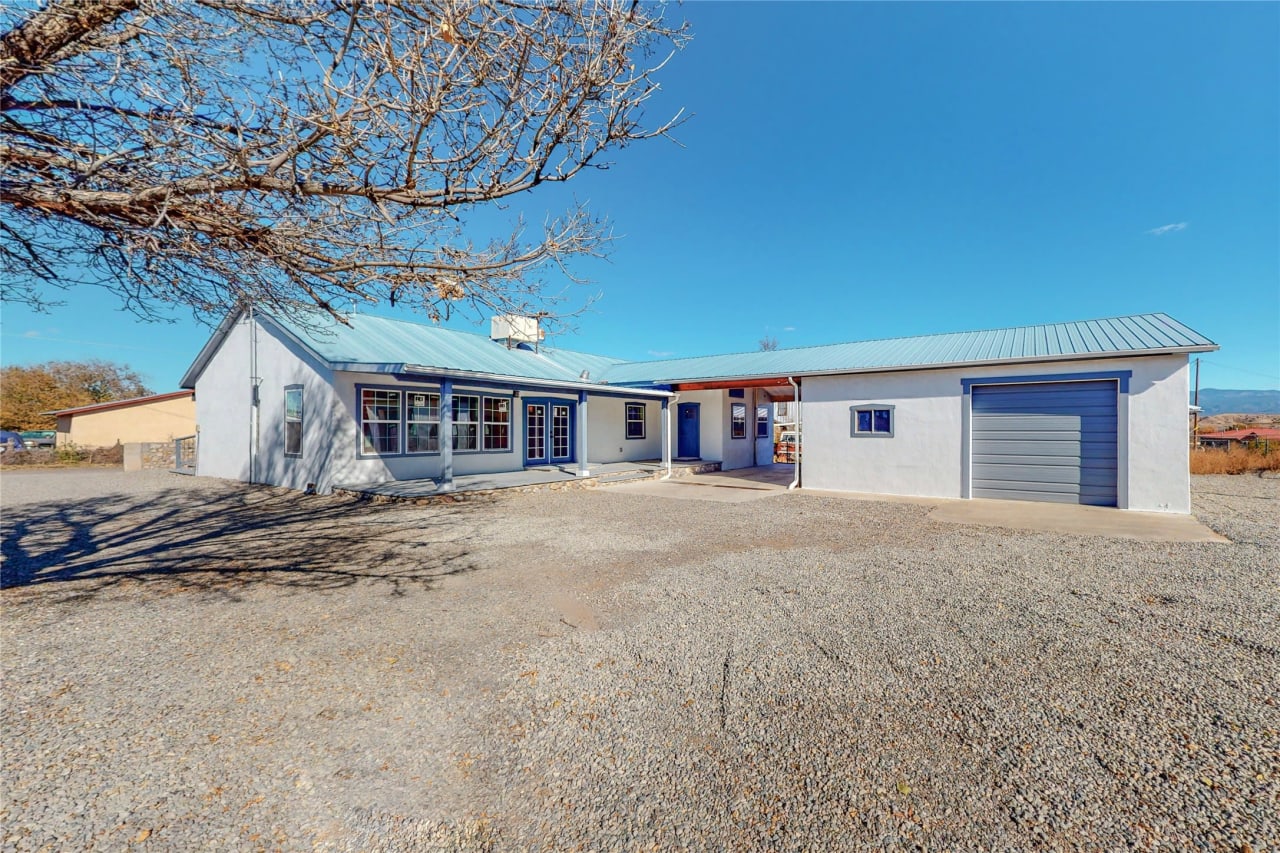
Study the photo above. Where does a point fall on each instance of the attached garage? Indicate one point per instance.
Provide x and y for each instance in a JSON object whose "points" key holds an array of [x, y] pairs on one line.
{"points": [[1045, 441]]}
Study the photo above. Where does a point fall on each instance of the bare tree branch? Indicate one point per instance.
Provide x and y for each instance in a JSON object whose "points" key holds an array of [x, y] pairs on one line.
{"points": [[218, 152]]}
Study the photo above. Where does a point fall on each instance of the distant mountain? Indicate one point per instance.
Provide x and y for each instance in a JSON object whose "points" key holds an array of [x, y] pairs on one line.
{"points": [[1217, 401]]}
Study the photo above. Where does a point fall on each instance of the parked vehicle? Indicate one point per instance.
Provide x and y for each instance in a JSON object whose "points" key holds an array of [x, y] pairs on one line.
{"points": [[40, 438], [787, 447], [11, 441]]}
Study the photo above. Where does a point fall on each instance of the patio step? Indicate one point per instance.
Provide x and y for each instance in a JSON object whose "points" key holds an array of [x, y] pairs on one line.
{"points": [[624, 476]]}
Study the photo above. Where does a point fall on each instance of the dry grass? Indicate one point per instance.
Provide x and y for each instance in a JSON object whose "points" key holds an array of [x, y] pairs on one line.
{"points": [[1234, 460]]}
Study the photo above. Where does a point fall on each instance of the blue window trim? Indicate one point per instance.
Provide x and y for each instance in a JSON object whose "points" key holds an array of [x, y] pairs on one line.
{"points": [[872, 407], [762, 423], [405, 390], [626, 420], [1121, 378], [302, 421], [480, 451], [439, 392], [360, 452]]}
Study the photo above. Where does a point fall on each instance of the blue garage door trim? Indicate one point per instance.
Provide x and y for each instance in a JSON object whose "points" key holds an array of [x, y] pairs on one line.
{"points": [[1050, 441]]}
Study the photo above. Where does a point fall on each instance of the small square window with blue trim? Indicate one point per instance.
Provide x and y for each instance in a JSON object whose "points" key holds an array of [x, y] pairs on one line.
{"points": [[876, 420]]}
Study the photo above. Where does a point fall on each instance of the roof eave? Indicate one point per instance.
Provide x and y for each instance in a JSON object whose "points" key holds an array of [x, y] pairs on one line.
{"points": [[504, 378], [107, 405], [210, 347]]}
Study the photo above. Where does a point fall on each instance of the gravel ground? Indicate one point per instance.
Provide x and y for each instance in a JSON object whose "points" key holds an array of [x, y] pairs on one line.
{"points": [[199, 664]]}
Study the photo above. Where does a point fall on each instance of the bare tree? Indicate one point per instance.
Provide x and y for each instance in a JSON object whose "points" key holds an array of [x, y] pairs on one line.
{"points": [[768, 343], [211, 153]]}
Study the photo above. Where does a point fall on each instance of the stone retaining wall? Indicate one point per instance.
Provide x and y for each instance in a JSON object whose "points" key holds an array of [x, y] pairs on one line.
{"points": [[148, 454]]}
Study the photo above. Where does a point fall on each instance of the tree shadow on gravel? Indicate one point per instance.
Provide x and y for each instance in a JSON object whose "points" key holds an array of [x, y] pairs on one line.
{"points": [[220, 540]]}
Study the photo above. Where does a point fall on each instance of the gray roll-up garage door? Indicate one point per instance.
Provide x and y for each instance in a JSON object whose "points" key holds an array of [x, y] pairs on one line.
{"points": [[1050, 441]]}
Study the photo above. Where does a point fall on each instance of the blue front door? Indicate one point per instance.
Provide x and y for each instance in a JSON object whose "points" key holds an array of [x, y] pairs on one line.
{"points": [[687, 432]]}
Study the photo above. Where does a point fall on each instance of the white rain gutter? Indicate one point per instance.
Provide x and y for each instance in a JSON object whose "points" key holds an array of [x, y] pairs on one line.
{"points": [[675, 398], [795, 483]]}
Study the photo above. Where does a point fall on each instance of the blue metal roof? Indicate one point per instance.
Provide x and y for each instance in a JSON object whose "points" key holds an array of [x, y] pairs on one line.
{"points": [[1142, 333], [378, 341], [382, 345]]}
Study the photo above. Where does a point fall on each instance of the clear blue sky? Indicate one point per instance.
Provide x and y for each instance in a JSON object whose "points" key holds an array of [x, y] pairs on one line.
{"points": [[856, 171]]}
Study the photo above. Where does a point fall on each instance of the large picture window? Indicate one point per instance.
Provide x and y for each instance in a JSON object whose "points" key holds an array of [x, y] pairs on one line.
{"points": [[466, 421], [738, 420], [408, 421], [293, 421], [379, 421], [497, 423], [635, 420], [422, 434]]}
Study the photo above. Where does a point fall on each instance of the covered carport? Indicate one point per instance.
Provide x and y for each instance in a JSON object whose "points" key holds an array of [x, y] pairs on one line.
{"points": [[745, 407]]}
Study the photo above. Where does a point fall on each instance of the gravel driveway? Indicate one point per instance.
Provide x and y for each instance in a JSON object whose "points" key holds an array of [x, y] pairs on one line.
{"points": [[200, 664]]}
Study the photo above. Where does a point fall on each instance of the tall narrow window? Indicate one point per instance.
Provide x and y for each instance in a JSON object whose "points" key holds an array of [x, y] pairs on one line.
{"points": [[293, 422], [762, 421], [466, 420], [423, 427], [497, 423], [635, 420], [379, 421], [560, 432], [536, 424], [738, 420]]}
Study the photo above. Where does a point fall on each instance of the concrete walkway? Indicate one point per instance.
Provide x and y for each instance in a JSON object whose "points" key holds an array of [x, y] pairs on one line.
{"points": [[737, 486]]}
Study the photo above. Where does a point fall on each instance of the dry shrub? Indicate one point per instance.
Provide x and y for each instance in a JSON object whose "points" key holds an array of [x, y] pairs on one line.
{"points": [[1236, 459]]}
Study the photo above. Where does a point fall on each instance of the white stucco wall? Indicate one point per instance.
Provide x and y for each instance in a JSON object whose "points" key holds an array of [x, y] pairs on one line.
{"points": [[607, 434], [927, 454], [764, 446], [224, 392]]}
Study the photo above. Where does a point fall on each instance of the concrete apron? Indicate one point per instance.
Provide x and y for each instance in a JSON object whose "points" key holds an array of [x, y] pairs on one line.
{"points": [[1082, 520], [768, 481]]}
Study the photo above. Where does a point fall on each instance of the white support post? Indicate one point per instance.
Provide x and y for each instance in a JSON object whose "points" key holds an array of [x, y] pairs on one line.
{"points": [[666, 436]]}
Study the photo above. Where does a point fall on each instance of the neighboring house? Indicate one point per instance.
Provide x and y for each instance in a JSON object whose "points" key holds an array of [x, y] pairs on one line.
{"points": [[1247, 435], [1090, 412], [159, 417]]}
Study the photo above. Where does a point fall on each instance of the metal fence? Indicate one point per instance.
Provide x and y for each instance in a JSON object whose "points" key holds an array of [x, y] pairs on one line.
{"points": [[184, 454]]}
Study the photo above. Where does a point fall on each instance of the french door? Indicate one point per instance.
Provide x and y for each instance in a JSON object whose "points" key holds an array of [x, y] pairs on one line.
{"points": [[548, 432]]}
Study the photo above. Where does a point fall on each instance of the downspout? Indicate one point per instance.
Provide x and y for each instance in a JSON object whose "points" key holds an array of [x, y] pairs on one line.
{"points": [[253, 398], [795, 386], [666, 414]]}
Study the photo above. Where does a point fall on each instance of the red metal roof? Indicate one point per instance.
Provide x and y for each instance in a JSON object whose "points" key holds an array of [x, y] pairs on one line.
{"points": [[1243, 434], [120, 404]]}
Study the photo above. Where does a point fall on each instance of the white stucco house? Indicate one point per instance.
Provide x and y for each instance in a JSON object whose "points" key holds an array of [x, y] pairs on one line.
{"points": [[1091, 412]]}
